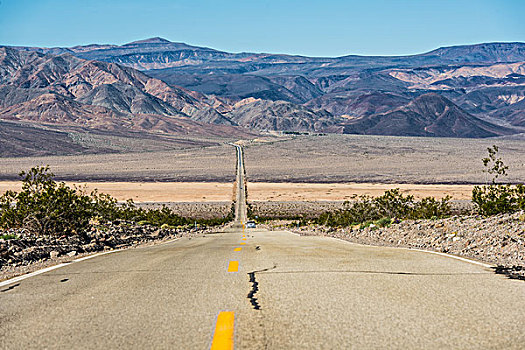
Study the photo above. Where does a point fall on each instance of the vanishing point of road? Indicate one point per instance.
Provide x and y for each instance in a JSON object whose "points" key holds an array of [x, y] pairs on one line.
{"points": [[259, 289]]}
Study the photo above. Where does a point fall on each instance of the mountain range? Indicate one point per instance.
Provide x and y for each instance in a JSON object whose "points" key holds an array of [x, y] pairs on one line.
{"points": [[162, 87]]}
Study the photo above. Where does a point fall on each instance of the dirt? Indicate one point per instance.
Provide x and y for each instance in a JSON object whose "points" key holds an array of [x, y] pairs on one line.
{"points": [[379, 159], [204, 164], [151, 191]]}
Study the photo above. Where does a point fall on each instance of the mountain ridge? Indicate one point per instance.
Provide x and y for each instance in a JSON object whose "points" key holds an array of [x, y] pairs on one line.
{"points": [[264, 91]]}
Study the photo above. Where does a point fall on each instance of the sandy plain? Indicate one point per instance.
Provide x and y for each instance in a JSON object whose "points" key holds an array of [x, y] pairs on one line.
{"points": [[142, 192], [259, 191]]}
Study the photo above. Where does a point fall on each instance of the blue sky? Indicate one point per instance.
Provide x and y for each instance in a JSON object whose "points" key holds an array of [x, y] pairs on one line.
{"points": [[315, 28]]}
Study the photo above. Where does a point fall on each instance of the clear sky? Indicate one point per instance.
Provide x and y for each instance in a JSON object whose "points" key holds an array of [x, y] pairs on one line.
{"points": [[314, 28]]}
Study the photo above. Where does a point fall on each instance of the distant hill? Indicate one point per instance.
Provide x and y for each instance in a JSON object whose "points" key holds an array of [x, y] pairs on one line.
{"points": [[159, 53], [280, 116], [486, 53], [67, 90], [155, 84], [427, 115]]}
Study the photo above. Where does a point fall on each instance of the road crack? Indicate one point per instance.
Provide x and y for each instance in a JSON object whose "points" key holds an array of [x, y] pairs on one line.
{"points": [[10, 288], [255, 287]]}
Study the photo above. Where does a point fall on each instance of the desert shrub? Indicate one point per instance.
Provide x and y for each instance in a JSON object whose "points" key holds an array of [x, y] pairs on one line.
{"points": [[46, 207], [249, 210], [298, 223], [430, 208], [383, 222], [497, 198], [381, 210]]}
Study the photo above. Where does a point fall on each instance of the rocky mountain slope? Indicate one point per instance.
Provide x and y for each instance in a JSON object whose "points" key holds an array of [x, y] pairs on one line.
{"points": [[67, 84], [426, 115], [280, 115], [483, 86]]}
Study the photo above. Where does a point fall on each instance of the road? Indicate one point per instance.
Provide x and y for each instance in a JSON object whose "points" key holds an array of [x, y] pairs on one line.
{"points": [[240, 190], [258, 289]]}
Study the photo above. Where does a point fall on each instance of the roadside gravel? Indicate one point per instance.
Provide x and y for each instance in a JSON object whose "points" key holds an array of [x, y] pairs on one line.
{"points": [[497, 240], [28, 252]]}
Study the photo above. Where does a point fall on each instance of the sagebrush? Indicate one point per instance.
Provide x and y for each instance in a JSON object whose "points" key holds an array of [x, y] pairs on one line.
{"points": [[47, 207], [381, 210], [496, 198]]}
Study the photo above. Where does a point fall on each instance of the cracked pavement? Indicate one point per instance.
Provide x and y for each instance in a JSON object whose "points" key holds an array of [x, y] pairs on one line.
{"points": [[322, 294]]}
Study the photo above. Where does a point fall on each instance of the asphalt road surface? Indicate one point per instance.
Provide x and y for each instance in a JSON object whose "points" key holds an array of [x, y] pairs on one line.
{"points": [[258, 289]]}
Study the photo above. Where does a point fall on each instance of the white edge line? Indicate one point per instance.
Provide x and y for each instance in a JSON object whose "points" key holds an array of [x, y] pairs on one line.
{"points": [[452, 256], [54, 267], [410, 249], [51, 268]]}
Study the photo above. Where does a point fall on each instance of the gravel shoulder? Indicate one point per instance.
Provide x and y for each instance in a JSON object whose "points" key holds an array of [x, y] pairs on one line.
{"points": [[30, 253]]}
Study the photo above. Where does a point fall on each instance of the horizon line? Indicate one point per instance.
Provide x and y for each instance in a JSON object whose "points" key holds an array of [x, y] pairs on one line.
{"points": [[262, 52]]}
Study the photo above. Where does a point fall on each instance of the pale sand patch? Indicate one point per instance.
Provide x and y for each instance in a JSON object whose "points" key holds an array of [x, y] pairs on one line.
{"points": [[152, 191], [344, 191], [257, 191]]}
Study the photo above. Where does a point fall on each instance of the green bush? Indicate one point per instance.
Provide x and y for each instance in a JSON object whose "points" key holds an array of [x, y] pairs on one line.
{"points": [[381, 210], [46, 207], [383, 222], [497, 198]]}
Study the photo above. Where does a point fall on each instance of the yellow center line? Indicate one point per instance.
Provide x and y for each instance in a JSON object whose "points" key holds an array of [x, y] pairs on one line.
{"points": [[243, 243], [233, 266], [223, 336], [244, 239], [237, 249]]}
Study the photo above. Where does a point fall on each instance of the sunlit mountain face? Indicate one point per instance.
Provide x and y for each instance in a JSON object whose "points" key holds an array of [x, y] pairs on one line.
{"points": [[460, 91]]}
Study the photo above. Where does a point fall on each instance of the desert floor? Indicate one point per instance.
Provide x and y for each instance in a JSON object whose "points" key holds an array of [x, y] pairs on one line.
{"points": [[305, 159]]}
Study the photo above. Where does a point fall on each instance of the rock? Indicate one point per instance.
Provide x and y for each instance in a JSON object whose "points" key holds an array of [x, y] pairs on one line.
{"points": [[91, 247], [53, 254], [72, 253]]}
